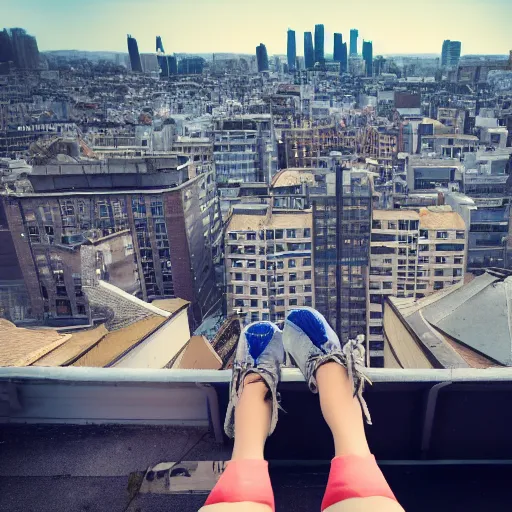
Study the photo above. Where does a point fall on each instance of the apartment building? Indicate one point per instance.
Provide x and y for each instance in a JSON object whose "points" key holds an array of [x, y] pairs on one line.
{"points": [[268, 262], [412, 254]]}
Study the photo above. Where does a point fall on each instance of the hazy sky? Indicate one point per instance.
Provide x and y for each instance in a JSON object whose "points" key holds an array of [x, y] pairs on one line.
{"points": [[394, 26]]}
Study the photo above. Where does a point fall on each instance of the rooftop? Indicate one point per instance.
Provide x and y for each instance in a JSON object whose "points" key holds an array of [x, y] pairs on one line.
{"points": [[440, 220], [395, 215], [242, 222]]}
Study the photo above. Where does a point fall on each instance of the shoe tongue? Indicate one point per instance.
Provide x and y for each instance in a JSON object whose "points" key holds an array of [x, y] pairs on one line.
{"points": [[312, 326], [258, 336]]}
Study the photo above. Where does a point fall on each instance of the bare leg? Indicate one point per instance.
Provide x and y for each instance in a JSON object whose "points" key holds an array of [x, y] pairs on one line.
{"points": [[252, 422], [343, 415], [341, 411]]}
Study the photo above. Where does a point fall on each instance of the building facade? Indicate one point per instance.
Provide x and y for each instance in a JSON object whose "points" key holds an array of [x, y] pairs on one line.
{"points": [[319, 43], [354, 34], [291, 50], [413, 254], [133, 51], [368, 57], [268, 263], [309, 52], [262, 57], [341, 247]]}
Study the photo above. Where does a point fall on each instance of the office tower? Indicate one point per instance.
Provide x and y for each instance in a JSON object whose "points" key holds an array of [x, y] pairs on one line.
{"points": [[354, 33], [344, 58], [155, 241], [338, 44], [291, 50], [150, 63], [309, 52], [268, 263], [262, 57], [172, 62], [319, 43], [6, 49], [24, 49], [133, 51], [444, 52], [450, 54], [191, 66], [368, 57], [162, 59], [341, 242]]}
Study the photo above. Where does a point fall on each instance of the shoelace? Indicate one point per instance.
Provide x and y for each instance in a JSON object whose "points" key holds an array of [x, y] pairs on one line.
{"points": [[354, 360]]}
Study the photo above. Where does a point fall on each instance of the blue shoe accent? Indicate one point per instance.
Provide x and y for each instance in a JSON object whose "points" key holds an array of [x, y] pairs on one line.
{"points": [[258, 336], [312, 326]]}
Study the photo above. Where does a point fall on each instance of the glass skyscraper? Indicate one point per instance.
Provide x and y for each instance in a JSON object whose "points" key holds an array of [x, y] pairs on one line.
{"points": [[319, 43], [354, 34], [338, 44], [344, 58], [162, 59], [368, 57], [133, 51], [291, 50], [341, 245], [309, 53], [450, 53], [262, 57]]}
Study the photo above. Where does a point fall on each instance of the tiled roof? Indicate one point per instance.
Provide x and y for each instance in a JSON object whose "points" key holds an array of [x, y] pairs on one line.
{"points": [[20, 347]]}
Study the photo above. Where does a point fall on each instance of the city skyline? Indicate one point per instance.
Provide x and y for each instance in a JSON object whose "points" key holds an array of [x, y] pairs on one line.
{"points": [[222, 27]]}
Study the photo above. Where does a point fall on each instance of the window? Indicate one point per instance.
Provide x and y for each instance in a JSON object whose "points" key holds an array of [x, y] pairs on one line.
{"points": [[251, 263], [307, 232], [251, 236], [439, 272], [421, 286], [423, 259], [374, 286], [387, 285], [438, 285], [239, 303], [280, 290], [376, 299], [375, 315], [262, 265], [264, 304], [306, 262], [254, 303], [442, 234], [291, 233], [292, 277], [292, 263], [280, 302], [80, 309], [279, 234], [239, 290], [457, 272], [460, 235], [63, 307], [307, 274], [292, 302], [388, 261], [376, 224], [457, 261], [48, 230], [253, 277], [255, 316], [262, 278], [391, 225], [238, 277], [292, 289], [254, 290], [376, 329], [270, 234], [403, 225], [280, 278], [450, 247], [280, 265], [308, 301]]}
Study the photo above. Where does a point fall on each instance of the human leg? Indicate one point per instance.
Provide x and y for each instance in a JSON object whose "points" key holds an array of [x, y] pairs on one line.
{"points": [[355, 481], [252, 414]]}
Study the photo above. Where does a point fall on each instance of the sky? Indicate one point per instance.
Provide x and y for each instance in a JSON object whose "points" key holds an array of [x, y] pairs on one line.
{"points": [[238, 26]]}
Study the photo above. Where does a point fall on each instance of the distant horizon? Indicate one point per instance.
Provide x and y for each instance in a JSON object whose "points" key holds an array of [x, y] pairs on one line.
{"points": [[229, 26]]}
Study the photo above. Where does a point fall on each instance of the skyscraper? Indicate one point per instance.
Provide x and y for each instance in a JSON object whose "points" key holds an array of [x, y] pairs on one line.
{"points": [[24, 49], [368, 57], [450, 54], [344, 58], [309, 52], [319, 43], [341, 245], [6, 50], [291, 50], [133, 51], [354, 33], [172, 62], [262, 57], [162, 59], [338, 43]]}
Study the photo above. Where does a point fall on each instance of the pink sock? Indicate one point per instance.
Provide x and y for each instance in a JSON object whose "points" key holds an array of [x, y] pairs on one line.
{"points": [[353, 476], [243, 480]]}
